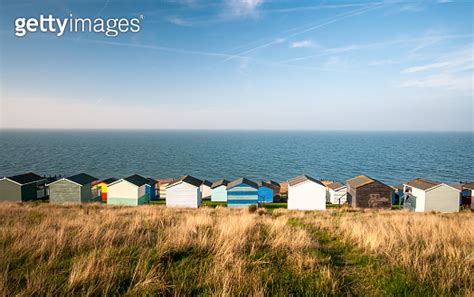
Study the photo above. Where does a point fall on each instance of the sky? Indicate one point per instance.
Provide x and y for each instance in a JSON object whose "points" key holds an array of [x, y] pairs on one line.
{"points": [[243, 64]]}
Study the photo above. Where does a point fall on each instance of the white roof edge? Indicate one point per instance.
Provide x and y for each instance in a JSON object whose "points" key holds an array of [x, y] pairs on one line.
{"points": [[64, 178]]}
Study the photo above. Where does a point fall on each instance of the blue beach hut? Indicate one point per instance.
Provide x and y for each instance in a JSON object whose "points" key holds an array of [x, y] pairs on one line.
{"points": [[265, 193], [151, 188], [242, 193]]}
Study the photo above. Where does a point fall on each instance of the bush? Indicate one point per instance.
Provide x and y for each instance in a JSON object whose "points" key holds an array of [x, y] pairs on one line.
{"points": [[252, 208]]}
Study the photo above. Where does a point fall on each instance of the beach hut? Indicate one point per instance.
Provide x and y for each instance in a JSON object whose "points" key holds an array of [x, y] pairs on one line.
{"points": [[151, 188], [75, 189], [306, 193], [265, 193], [336, 193], [366, 192], [23, 187], [426, 195], [219, 190], [242, 193], [184, 192], [276, 187], [103, 186], [206, 189], [130, 190], [469, 188], [162, 184]]}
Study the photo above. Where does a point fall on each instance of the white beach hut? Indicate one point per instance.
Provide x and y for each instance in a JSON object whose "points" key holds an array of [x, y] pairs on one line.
{"points": [[336, 193], [131, 190], [206, 189], [427, 195], [306, 193], [184, 192]]}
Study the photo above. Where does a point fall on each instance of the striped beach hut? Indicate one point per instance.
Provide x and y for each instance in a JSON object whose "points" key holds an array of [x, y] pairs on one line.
{"points": [[23, 187], [265, 193], [131, 190], [242, 193], [184, 192], [306, 193], [75, 189], [103, 186], [219, 190]]}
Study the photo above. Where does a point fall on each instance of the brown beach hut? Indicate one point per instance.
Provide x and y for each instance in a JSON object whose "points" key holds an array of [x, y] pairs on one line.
{"points": [[366, 192]]}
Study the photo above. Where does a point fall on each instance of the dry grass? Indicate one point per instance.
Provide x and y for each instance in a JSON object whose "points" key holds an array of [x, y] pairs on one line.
{"points": [[438, 249], [91, 250]]}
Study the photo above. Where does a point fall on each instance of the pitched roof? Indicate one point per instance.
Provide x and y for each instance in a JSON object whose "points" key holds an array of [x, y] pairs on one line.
{"points": [[457, 186], [422, 183], [109, 180], [336, 185], [218, 183], [303, 178], [136, 179], [242, 180], [151, 181], [82, 178], [187, 179], [26, 178], [273, 183], [206, 183], [469, 186], [359, 181], [168, 180]]}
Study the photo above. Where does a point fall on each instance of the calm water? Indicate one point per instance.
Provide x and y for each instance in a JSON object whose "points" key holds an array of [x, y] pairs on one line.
{"points": [[390, 157]]}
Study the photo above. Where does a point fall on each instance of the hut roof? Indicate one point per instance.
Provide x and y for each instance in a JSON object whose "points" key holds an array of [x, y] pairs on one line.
{"points": [[26, 178], [360, 181], [151, 181], [136, 179], [336, 185], [469, 186], [206, 183], [218, 183], [187, 179], [242, 180], [303, 178], [82, 179], [109, 180], [422, 183], [168, 180], [273, 183]]}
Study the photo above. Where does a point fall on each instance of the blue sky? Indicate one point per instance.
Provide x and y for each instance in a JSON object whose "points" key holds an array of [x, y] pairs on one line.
{"points": [[253, 64]]}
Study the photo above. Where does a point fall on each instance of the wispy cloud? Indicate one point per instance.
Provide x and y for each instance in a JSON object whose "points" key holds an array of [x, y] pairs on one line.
{"points": [[244, 7], [382, 44], [310, 27], [451, 72], [304, 44]]}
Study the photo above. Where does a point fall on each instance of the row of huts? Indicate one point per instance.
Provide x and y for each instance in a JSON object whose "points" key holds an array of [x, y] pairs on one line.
{"points": [[303, 192]]}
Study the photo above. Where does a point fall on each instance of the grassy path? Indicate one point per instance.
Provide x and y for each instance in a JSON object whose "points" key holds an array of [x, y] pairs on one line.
{"points": [[360, 274]]}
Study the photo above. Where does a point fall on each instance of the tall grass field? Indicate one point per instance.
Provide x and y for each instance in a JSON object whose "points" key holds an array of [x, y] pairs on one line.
{"points": [[153, 250]]}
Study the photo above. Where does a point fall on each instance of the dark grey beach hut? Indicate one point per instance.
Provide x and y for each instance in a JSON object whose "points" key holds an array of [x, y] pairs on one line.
{"points": [[23, 187], [72, 190]]}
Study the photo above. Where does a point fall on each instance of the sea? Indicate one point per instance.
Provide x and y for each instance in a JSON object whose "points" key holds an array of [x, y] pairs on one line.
{"points": [[392, 157]]}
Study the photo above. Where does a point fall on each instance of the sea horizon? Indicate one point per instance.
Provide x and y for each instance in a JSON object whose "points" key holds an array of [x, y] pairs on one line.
{"points": [[392, 157]]}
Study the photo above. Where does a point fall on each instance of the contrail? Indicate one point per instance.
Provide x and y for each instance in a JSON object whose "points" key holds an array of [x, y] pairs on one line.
{"points": [[335, 19]]}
